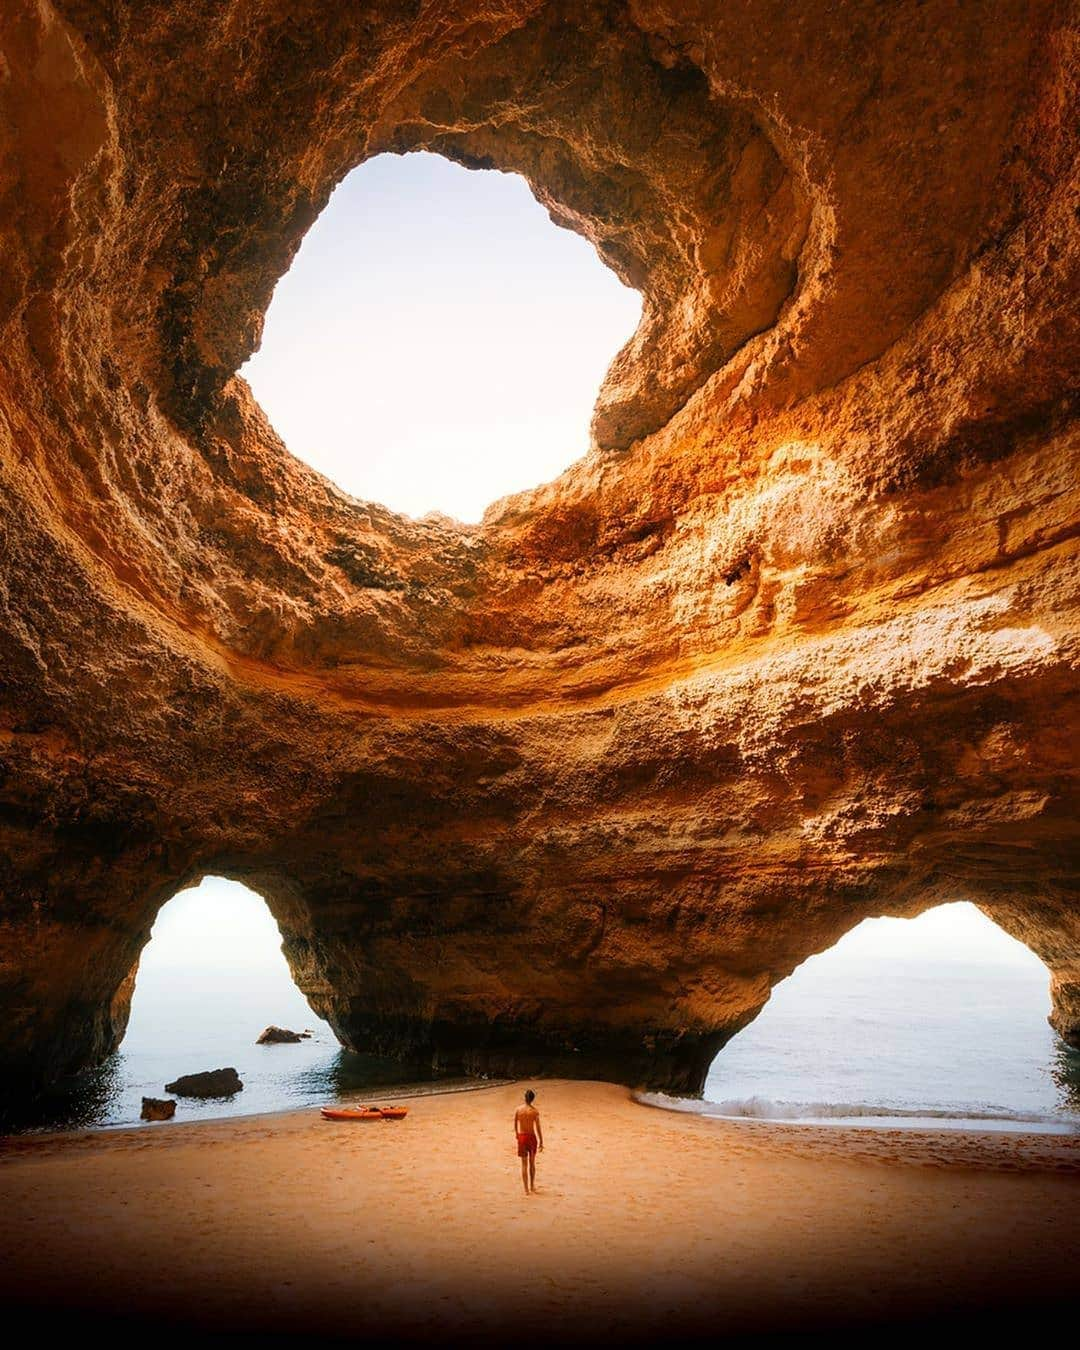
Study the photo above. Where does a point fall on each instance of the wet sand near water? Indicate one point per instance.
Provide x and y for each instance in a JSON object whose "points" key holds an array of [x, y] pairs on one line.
{"points": [[646, 1223]]}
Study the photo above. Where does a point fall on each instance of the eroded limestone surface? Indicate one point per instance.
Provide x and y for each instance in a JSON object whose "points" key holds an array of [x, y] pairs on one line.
{"points": [[569, 790]]}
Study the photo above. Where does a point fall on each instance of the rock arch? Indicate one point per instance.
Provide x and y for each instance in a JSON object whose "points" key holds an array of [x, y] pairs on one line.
{"points": [[567, 789], [938, 1015]]}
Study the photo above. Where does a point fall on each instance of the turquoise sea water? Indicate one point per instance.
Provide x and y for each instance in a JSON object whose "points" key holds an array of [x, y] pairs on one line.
{"points": [[939, 1021]]}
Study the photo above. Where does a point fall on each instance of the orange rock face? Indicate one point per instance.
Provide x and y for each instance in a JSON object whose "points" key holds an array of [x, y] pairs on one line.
{"points": [[572, 789]]}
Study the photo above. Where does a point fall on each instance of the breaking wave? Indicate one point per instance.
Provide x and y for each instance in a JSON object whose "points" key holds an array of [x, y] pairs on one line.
{"points": [[838, 1113]]}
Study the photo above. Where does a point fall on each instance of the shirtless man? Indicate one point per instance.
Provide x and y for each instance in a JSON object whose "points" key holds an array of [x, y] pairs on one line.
{"points": [[530, 1137]]}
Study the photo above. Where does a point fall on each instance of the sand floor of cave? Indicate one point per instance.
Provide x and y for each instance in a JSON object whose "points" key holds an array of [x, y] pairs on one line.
{"points": [[644, 1218]]}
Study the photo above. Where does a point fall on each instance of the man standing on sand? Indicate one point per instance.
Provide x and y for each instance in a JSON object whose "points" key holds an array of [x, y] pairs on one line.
{"points": [[530, 1137]]}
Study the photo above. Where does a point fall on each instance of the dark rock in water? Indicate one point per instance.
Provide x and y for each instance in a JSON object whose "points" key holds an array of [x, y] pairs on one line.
{"points": [[214, 1083], [158, 1108], [279, 1036]]}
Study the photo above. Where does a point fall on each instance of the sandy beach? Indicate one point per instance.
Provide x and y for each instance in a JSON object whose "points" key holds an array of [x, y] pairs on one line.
{"points": [[645, 1221]]}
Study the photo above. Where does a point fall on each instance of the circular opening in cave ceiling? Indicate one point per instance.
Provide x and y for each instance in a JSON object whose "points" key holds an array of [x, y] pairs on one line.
{"points": [[438, 342]]}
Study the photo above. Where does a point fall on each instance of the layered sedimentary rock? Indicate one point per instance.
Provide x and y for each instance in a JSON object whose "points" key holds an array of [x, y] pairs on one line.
{"points": [[572, 789]]}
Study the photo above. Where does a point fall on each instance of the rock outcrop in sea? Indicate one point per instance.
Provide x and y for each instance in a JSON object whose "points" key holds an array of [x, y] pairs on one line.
{"points": [[794, 644], [280, 1036], [212, 1083], [157, 1108]]}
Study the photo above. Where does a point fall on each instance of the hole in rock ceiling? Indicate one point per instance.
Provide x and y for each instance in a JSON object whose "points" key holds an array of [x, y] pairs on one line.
{"points": [[938, 1019], [438, 342]]}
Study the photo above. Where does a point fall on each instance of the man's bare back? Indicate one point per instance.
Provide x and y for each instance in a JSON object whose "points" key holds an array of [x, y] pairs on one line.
{"points": [[525, 1119]]}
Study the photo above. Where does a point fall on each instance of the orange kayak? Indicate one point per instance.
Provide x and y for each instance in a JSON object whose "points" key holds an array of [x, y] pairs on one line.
{"points": [[364, 1112]]}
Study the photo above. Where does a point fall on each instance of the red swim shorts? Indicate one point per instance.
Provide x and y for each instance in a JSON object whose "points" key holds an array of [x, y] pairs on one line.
{"points": [[526, 1145]]}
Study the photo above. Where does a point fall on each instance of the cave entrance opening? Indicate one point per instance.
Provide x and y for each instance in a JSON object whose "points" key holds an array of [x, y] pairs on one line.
{"points": [[438, 342], [210, 980], [213, 973], [935, 1020]]}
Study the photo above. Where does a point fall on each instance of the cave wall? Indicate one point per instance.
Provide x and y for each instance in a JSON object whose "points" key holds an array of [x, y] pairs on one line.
{"points": [[570, 790]]}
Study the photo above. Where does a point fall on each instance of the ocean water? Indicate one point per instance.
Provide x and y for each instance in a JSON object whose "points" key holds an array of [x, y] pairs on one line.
{"points": [[939, 1021], [210, 979], [198, 1021], [936, 1021]]}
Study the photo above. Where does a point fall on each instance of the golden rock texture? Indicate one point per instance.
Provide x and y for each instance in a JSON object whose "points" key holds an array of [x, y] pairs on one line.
{"points": [[569, 790]]}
